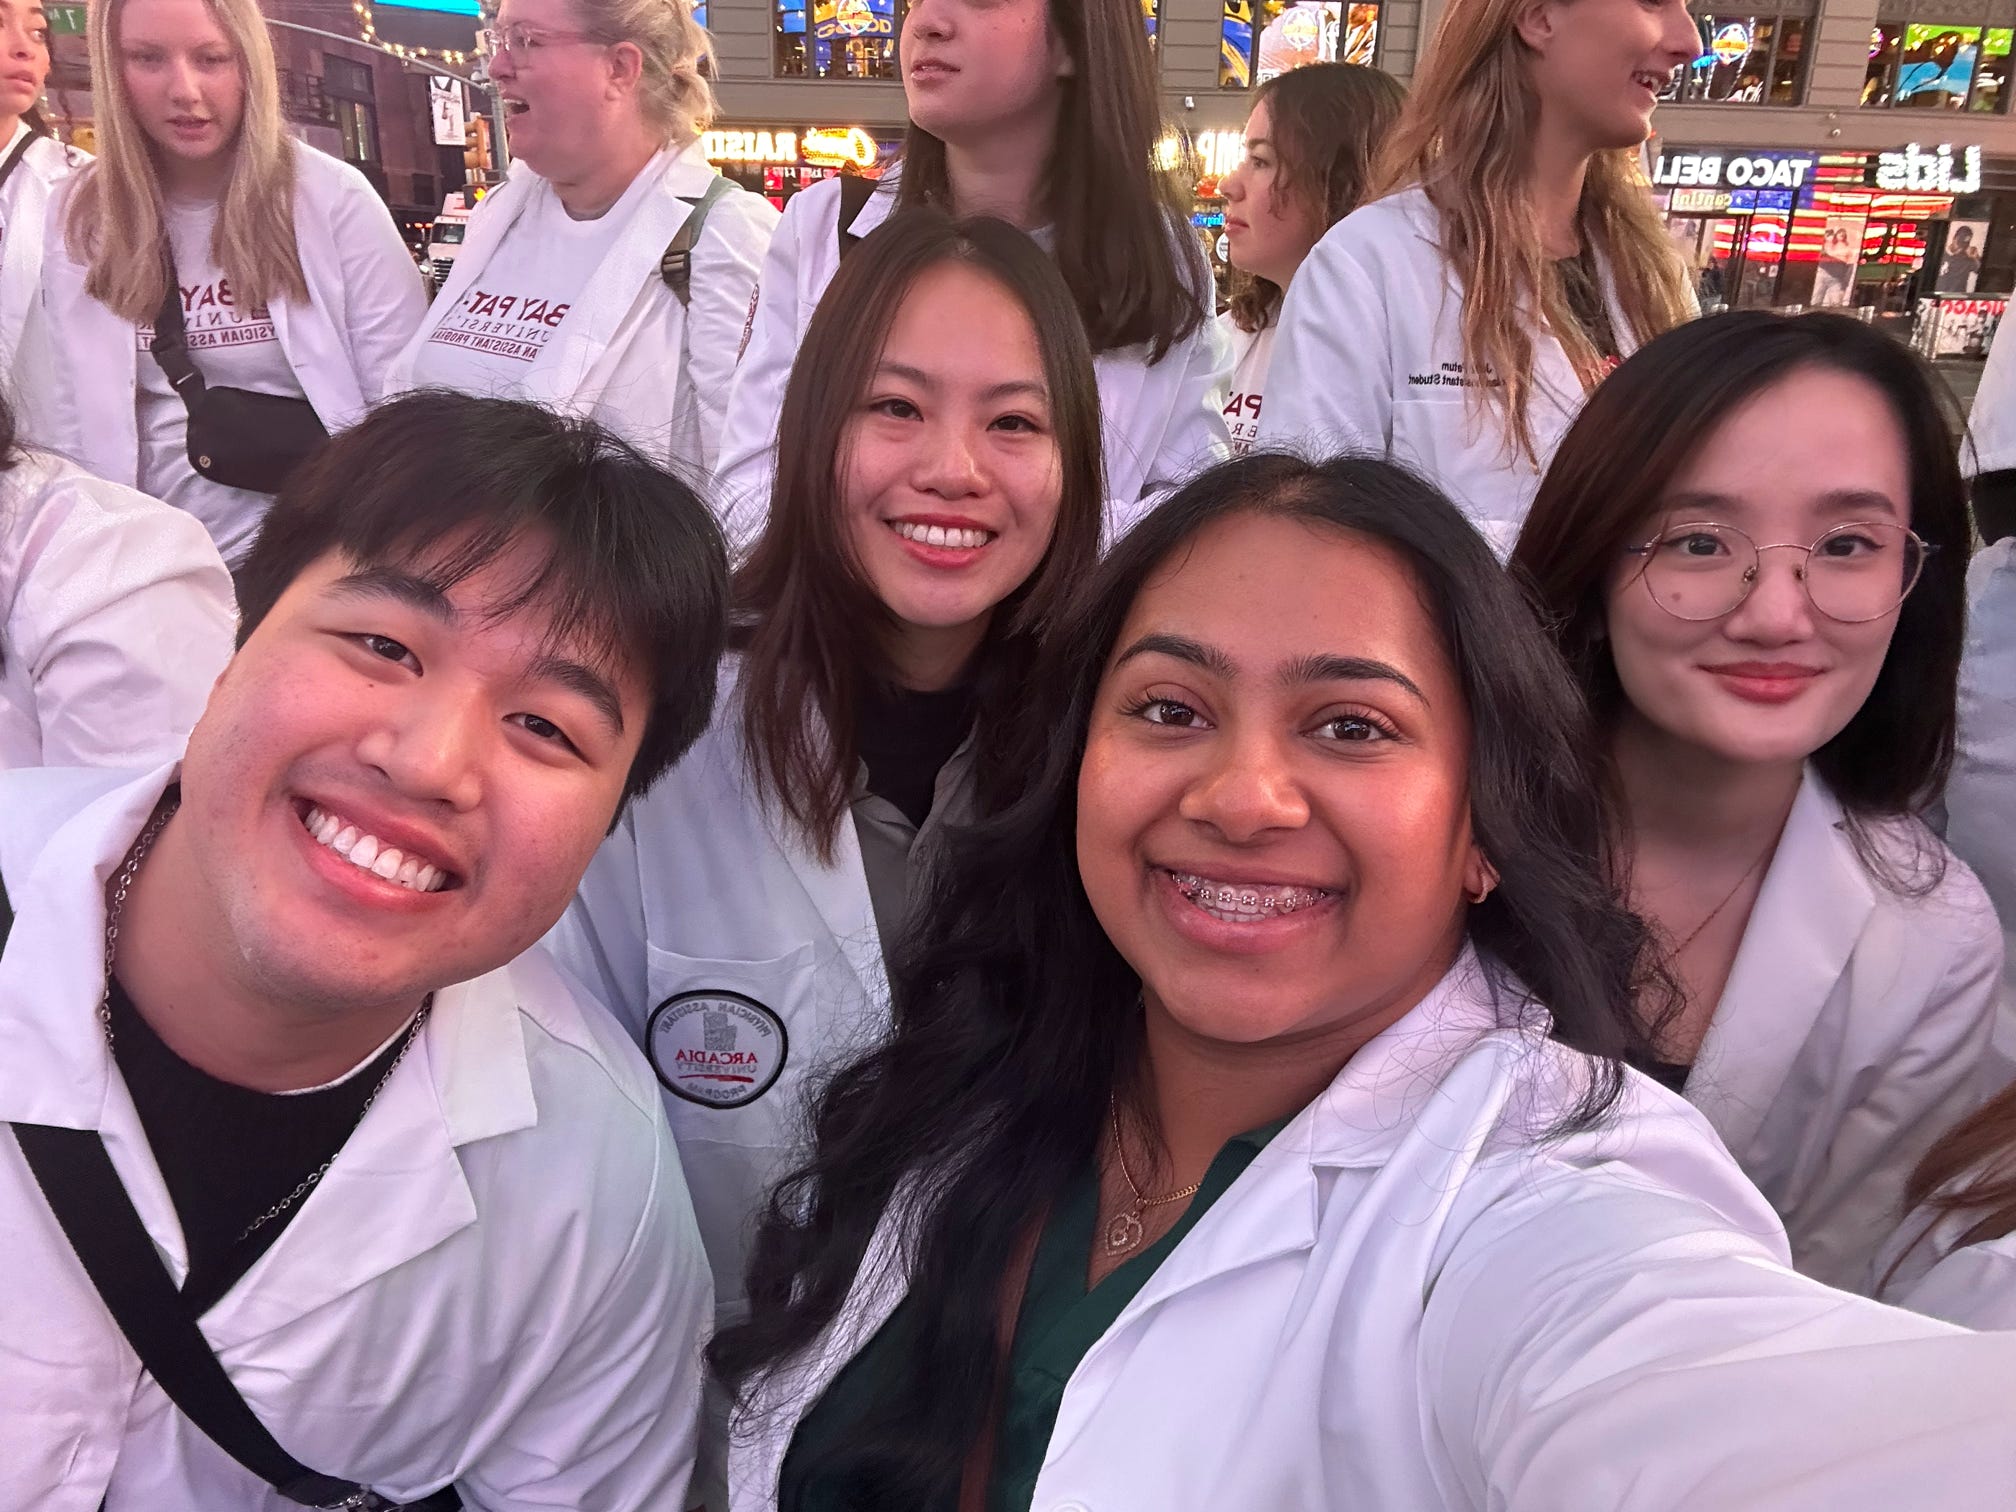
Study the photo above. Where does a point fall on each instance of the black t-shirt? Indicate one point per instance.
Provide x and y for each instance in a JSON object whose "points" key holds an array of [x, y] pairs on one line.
{"points": [[229, 1153], [906, 738]]}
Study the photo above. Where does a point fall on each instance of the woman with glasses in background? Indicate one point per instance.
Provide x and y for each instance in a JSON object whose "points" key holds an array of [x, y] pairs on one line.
{"points": [[1752, 545], [612, 275]]}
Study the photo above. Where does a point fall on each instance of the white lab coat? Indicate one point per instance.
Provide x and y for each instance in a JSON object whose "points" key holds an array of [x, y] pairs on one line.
{"points": [[1991, 424], [1407, 1303], [703, 886], [1160, 422], [1973, 1285], [364, 300], [497, 1282], [116, 616], [1370, 359], [628, 353], [1981, 792], [27, 356], [1850, 1035]]}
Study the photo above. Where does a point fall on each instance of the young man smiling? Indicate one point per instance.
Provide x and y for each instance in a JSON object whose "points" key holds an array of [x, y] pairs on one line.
{"points": [[422, 1201]]}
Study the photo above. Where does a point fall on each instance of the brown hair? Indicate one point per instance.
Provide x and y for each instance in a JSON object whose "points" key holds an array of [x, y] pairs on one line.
{"points": [[807, 623], [1121, 223], [1972, 1170], [1466, 138], [1603, 491], [1326, 122]]}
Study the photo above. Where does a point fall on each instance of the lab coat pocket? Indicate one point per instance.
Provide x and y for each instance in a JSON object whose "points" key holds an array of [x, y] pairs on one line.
{"points": [[732, 1043], [1457, 449]]}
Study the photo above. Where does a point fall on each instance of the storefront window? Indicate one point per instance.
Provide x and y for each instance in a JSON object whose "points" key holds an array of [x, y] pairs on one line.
{"points": [[838, 39], [1148, 19], [1290, 35], [1937, 66], [1745, 60]]}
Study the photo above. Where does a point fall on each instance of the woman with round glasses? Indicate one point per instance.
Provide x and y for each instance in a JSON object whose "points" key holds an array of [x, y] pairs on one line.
{"points": [[612, 275], [1753, 546]]}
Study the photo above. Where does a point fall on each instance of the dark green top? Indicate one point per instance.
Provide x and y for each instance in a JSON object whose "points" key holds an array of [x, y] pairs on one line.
{"points": [[1057, 1325]]}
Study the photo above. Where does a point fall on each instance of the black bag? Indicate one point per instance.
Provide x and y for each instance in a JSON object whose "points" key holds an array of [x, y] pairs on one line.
{"points": [[237, 437], [84, 1192]]}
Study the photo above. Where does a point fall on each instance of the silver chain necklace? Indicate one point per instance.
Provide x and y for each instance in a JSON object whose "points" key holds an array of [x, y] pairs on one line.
{"points": [[116, 910]]}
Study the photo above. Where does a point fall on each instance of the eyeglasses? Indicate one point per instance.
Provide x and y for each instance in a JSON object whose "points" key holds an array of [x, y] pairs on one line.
{"points": [[523, 42], [1852, 573]]}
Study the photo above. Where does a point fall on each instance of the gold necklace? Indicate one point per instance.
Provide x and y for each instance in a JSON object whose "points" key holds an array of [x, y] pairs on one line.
{"points": [[1125, 1231], [1727, 898]]}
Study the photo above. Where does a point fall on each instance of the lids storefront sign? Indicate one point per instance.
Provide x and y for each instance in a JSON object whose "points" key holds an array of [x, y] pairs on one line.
{"points": [[1734, 170], [1930, 170]]}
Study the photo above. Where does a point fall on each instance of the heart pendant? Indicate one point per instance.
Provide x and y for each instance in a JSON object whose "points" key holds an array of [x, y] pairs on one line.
{"points": [[1123, 1233]]}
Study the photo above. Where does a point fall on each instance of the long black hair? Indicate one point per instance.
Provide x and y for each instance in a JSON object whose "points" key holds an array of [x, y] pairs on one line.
{"points": [[1649, 419], [1016, 1018]]}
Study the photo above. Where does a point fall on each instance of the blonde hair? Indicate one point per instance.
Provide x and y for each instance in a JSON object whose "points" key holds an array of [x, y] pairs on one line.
{"points": [[1465, 137], [673, 91], [115, 221]]}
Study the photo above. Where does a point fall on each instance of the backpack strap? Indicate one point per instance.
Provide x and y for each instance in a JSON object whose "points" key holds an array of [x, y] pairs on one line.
{"points": [[855, 192], [676, 266]]}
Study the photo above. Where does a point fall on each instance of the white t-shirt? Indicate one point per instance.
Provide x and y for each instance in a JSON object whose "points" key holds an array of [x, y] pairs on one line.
{"points": [[501, 324], [1250, 352], [232, 348]]}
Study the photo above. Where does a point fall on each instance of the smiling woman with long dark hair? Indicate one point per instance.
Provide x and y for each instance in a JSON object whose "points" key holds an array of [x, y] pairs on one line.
{"points": [[1254, 1133]]}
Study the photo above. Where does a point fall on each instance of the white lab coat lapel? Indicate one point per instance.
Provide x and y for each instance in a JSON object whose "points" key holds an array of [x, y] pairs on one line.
{"points": [[839, 891], [52, 980], [20, 262], [100, 358], [1811, 910], [312, 334], [397, 1187]]}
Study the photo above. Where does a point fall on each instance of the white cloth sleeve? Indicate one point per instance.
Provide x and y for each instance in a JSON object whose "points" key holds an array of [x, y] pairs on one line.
{"points": [[1330, 383]]}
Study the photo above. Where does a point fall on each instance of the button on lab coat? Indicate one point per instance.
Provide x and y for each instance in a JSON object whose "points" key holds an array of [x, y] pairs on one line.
{"points": [[116, 616], [1160, 422], [1370, 359], [1407, 1304], [364, 299], [497, 1283], [628, 353], [1851, 1033]]}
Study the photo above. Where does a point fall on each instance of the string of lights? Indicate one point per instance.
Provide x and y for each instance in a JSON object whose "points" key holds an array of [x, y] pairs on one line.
{"points": [[368, 25]]}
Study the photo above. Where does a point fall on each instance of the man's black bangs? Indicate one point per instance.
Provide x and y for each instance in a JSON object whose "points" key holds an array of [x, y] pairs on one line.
{"points": [[585, 584]]}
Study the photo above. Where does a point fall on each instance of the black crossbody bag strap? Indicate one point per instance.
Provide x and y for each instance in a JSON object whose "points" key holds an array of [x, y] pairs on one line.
{"points": [[15, 153], [90, 1202], [170, 345]]}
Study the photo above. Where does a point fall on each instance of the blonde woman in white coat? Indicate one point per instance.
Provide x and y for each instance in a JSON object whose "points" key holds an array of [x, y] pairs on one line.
{"points": [[1457, 324], [294, 283], [1753, 545], [1253, 1137], [611, 277], [32, 164], [1044, 115], [116, 616]]}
